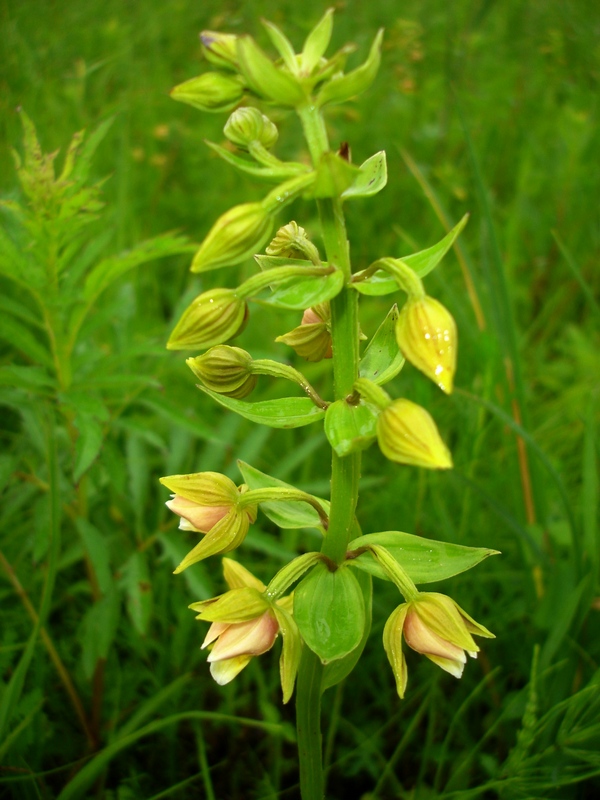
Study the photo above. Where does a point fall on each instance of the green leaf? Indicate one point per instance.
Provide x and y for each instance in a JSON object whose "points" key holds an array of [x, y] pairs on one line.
{"points": [[90, 418], [300, 293], [283, 46], [330, 612], [337, 670], [382, 359], [21, 339], [349, 428], [96, 547], [272, 174], [111, 269], [334, 176], [425, 560], [317, 42], [32, 379], [422, 262], [284, 513], [263, 77], [340, 89], [98, 631], [371, 179], [138, 589], [285, 412]]}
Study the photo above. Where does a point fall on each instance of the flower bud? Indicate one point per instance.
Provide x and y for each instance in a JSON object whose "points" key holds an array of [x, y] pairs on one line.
{"points": [[211, 91], [312, 339], [426, 335], [246, 125], [220, 48], [291, 241], [408, 435], [236, 235], [212, 318], [225, 370]]}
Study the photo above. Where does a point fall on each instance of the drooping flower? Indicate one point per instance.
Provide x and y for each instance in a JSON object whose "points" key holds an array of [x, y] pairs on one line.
{"points": [[312, 338], [208, 503], [438, 628], [245, 624]]}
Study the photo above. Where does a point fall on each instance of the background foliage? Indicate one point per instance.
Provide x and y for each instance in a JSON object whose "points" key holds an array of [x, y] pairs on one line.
{"points": [[485, 107]]}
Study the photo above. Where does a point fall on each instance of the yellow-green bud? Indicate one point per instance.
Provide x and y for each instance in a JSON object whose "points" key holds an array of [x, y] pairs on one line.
{"points": [[291, 241], [246, 125], [211, 91], [212, 318], [235, 236], [426, 335], [225, 370], [220, 48], [408, 435]]}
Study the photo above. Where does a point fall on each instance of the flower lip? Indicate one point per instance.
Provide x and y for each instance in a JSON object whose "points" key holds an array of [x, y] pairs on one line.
{"points": [[194, 516], [251, 638]]}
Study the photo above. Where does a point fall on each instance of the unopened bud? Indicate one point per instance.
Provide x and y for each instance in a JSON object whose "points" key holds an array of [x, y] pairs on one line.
{"points": [[246, 125], [212, 318], [426, 335], [236, 235], [225, 370], [408, 435], [312, 339], [291, 241], [220, 48], [211, 91]]}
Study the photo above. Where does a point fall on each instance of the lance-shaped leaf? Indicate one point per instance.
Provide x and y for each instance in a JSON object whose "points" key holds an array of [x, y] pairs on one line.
{"points": [[422, 263], [371, 179], [317, 42], [425, 560], [339, 89], [301, 293], [330, 611], [337, 670], [285, 412], [382, 360], [284, 513], [263, 77], [350, 428]]}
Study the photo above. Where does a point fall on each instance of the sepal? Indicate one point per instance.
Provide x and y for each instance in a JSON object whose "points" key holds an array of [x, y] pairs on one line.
{"points": [[340, 89], [264, 78]]}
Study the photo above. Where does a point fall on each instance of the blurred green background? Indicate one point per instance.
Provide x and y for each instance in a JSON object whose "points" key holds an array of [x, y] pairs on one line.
{"points": [[486, 107]]}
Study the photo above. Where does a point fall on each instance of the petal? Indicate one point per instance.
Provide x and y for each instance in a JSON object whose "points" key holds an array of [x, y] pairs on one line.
{"points": [[200, 518], [246, 638], [215, 630], [238, 577], [449, 665], [425, 641], [225, 671]]}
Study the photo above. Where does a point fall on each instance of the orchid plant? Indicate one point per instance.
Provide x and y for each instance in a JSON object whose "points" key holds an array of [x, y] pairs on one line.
{"points": [[321, 601]]}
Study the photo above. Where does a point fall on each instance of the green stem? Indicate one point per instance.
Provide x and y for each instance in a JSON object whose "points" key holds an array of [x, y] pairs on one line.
{"points": [[345, 472]]}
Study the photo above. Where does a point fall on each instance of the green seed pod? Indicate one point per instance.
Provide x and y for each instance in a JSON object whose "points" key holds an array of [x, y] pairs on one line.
{"points": [[246, 125], [220, 49], [211, 91], [236, 235], [226, 370], [408, 435], [212, 318]]}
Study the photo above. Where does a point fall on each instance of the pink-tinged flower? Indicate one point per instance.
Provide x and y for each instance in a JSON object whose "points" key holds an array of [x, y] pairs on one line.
{"points": [[312, 339], [246, 623], [208, 503], [435, 626], [236, 643]]}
